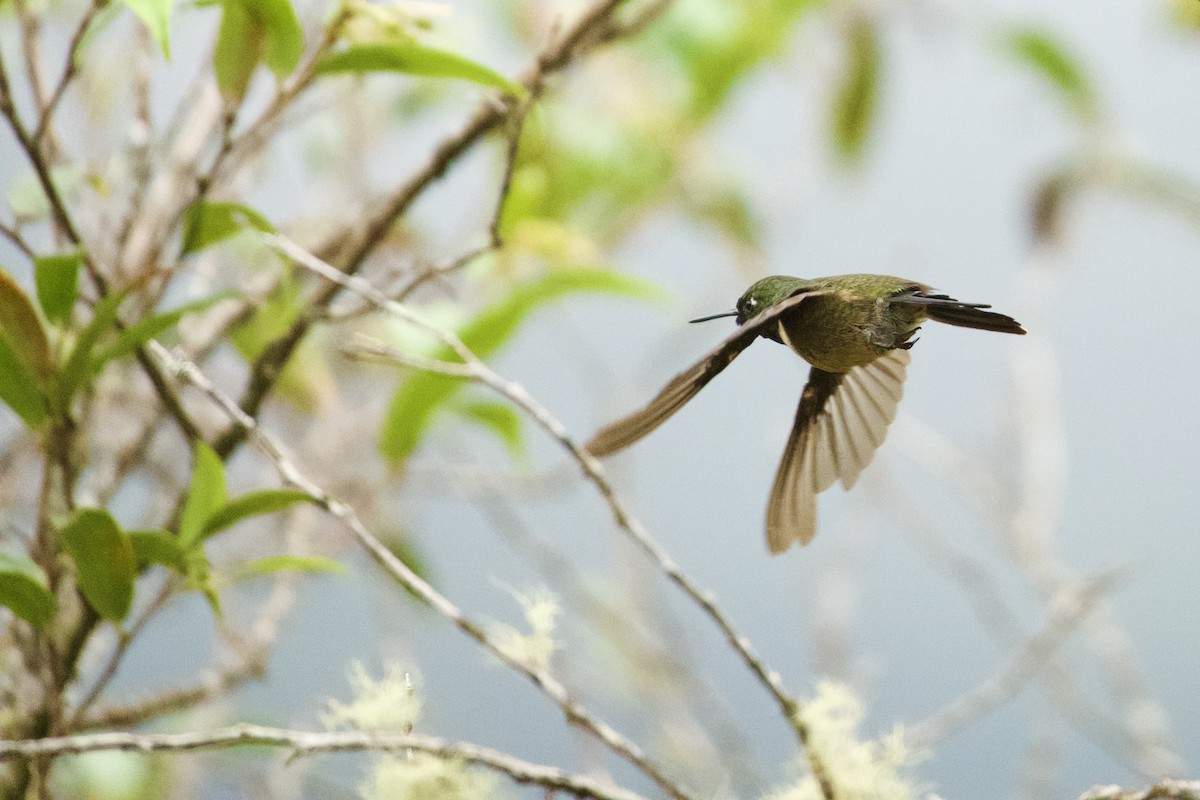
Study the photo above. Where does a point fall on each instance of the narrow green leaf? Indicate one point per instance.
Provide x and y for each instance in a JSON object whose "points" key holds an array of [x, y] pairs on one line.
{"points": [[274, 564], [419, 398], [23, 589], [207, 223], [156, 14], [1046, 55], [100, 21], [104, 561], [28, 200], [199, 577], [137, 335], [206, 495], [499, 418], [855, 100], [57, 278], [285, 37], [416, 59], [19, 389], [241, 43], [158, 547], [22, 330], [252, 504], [104, 319]]}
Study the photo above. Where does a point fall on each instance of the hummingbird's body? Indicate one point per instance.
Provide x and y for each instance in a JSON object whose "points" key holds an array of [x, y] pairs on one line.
{"points": [[855, 331]]}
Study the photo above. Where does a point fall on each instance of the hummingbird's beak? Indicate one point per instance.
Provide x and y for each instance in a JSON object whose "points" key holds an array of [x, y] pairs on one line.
{"points": [[733, 313]]}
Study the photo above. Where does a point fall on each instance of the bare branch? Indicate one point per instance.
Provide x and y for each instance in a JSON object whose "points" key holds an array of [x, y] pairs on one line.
{"points": [[304, 743], [474, 368], [399, 571]]}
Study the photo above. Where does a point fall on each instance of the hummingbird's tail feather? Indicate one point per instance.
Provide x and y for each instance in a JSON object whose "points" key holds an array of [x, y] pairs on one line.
{"points": [[841, 421], [945, 309]]}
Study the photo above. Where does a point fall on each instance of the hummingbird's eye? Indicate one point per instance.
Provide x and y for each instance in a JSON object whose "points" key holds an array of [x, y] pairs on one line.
{"points": [[750, 304]]}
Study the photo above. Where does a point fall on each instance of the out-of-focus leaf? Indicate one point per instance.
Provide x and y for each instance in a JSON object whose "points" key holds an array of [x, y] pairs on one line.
{"points": [[402, 546], [1049, 202], [498, 418], [241, 44], [206, 495], [285, 37], [104, 561], [101, 20], [158, 547], [274, 564], [22, 330], [29, 202], [23, 589], [19, 389], [253, 32], [199, 576], [252, 504], [718, 44], [855, 100], [588, 173], [57, 278], [306, 377], [412, 58], [1046, 56], [137, 335], [207, 223], [104, 319], [424, 393], [156, 14]]}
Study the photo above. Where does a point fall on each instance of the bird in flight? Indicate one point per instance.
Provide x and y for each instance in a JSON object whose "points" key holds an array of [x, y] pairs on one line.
{"points": [[855, 331]]}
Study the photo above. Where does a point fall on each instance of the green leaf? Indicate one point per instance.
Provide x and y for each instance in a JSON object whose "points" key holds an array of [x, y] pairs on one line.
{"points": [[241, 42], [411, 58], [156, 14], [57, 278], [137, 335], [22, 330], [420, 397], [206, 495], [23, 589], [158, 547], [99, 22], [252, 504], [207, 223], [1046, 56], [254, 31], [855, 100], [199, 576], [274, 564], [499, 418], [19, 389], [104, 319], [28, 200], [104, 561], [285, 37]]}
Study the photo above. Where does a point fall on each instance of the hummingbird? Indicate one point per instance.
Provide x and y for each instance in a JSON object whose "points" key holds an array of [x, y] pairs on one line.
{"points": [[855, 332]]}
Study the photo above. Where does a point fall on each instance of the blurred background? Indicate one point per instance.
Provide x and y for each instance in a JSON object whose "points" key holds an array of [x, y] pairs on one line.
{"points": [[1011, 582]]}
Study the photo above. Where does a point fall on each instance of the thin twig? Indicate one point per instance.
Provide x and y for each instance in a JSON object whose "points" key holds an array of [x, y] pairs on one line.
{"points": [[399, 571], [304, 743], [476, 370], [1069, 612]]}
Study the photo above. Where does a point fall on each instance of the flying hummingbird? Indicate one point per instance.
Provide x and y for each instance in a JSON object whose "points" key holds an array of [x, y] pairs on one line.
{"points": [[855, 331]]}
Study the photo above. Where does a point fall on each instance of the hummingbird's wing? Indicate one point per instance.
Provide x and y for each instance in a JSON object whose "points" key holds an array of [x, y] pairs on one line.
{"points": [[842, 419], [684, 386]]}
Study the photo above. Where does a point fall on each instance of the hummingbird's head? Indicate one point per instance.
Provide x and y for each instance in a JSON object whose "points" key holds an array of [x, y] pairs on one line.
{"points": [[760, 296]]}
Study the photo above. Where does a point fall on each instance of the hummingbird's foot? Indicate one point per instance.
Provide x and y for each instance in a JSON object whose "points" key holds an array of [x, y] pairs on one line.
{"points": [[908, 340]]}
